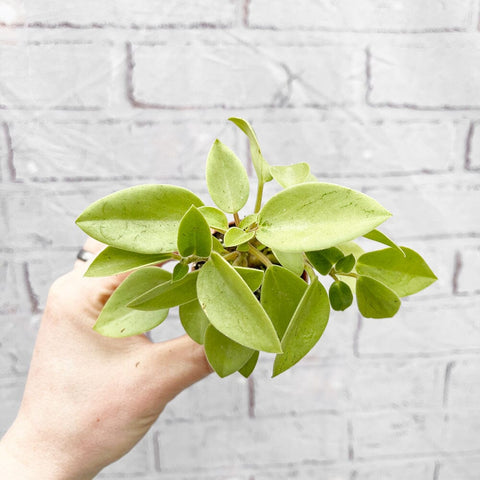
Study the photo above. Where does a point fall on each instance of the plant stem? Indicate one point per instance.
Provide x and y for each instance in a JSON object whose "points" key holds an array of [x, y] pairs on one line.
{"points": [[311, 273], [236, 218], [258, 254], [258, 203]]}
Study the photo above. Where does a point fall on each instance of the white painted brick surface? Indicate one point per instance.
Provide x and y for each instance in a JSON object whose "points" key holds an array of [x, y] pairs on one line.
{"points": [[223, 75], [435, 75], [55, 76], [318, 437], [352, 148], [362, 15], [418, 470], [108, 150], [424, 328], [459, 467], [469, 272], [124, 13], [464, 388]]}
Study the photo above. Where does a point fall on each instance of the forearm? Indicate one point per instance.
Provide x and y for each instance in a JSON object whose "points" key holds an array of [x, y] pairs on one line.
{"points": [[24, 456]]}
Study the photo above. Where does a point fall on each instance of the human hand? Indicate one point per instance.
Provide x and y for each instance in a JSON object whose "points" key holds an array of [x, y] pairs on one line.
{"points": [[89, 399]]}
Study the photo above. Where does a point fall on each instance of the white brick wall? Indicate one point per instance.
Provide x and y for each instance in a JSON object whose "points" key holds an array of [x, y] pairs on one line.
{"points": [[378, 95]]}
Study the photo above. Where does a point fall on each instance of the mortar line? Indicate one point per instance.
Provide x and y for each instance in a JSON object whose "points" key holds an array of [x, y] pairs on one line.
{"points": [[33, 298], [446, 382], [468, 147], [457, 269], [246, 13], [251, 397], [156, 452], [11, 172]]}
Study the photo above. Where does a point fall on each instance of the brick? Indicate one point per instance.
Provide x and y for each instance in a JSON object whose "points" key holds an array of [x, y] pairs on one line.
{"points": [[237, 76], [320, 472], [362, 15], [461, 432], [460, 467], [337, 148], [396, 384], [427, 76], [211, 398], [17, 337], [124, 13], [60, 76], [231, 444], [467, 279], [106, 150], [11, 393], [473, 157], [398, 433], [426, 209], [13, 295], [424, 328], [4, 152], [302, 389], [418, 470], [463, 386]]}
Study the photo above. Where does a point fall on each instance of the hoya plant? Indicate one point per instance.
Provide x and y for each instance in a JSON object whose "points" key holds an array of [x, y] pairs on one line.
{"points": [[252, 283]]}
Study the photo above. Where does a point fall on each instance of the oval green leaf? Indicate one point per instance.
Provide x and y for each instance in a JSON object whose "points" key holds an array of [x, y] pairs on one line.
{"points": [[323, 260], [315, 216], [262, 169], [117, 320], [194, 237], [179, 271], [224, 354], [345, 264], [282, 291], [290, 175], [194, 320], [232, 308], [357, 251], [248, 221], [142, 219], [215, 218], [248, 368], [375, 300], [292, 261], [167, 295], [252, 277], [111, 261], [236, 236], [305, 329], [340, 295], [380, 237], [405, 275], [227, 179]]}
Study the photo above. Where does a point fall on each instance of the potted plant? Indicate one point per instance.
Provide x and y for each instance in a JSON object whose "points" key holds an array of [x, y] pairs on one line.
{"points": [[250, 284]]}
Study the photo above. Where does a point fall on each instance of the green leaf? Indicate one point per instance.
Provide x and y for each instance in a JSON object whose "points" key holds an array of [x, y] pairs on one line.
{"points": [[345, 264], [376, 300], [248, 368], [293, 261], [142, 219], [306, 327], [243, 247], [227, 179], [323, 260], [248, 221], [405, 275], [111, 261], [252, 277], [217, 245], [315, 216], [167, 295], [262, 169], [340, 295], [290, 175], [232, 308], [357, 251], [179, 271], [236, 236], [194, 237], [281, 293], [215, 218], [116, 320], [380, 237], [194, 320], [223, 354]]}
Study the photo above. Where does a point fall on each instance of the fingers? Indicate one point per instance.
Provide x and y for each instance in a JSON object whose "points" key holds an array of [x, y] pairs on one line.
{"points": [[179, 363]]}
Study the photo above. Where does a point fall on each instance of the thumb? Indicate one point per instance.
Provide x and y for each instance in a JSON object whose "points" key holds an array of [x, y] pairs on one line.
{"points": [[178, 363]]}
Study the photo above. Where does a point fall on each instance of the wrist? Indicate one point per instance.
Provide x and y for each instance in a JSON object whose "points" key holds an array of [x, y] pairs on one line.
{"points": [[28, 456]]}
